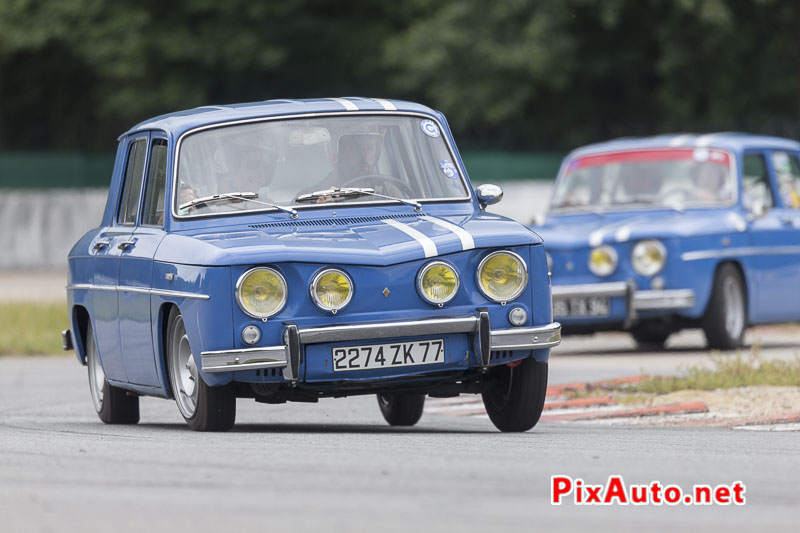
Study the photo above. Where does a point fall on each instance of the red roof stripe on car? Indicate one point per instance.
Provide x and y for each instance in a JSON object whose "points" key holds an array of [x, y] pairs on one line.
{"points": [[712, 156]]}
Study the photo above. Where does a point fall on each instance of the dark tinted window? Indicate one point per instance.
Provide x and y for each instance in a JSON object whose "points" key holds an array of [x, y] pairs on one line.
{"points": [[156, 181], [132, 186]]}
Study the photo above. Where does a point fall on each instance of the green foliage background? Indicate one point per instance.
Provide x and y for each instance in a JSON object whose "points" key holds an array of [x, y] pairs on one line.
{"points": [[510, 74]]}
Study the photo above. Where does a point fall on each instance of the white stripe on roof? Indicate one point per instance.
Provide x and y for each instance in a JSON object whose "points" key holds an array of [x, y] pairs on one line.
{"points": [[386, 104], [348, 105]]}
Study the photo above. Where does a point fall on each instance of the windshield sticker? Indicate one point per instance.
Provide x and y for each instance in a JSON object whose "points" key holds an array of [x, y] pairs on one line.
{"points": [[429, 128], [448, 168]]}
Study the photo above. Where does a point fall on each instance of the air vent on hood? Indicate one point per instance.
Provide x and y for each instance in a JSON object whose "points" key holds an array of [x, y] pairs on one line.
{"points": [[344, 221]]}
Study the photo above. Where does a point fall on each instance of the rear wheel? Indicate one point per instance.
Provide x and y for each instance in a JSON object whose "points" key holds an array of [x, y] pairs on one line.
{"points": [[726, 316], [514, 396], [112, 404], [401, 409], [204, 408]]}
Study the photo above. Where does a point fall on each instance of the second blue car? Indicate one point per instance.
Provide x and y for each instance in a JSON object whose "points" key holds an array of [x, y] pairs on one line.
{"points": [[658, 234]]}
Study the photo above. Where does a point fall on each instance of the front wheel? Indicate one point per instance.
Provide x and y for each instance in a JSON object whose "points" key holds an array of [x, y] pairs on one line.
{"points": [[514, 396], [204, 408], [726, 316], [401, 409], [112, 404]]}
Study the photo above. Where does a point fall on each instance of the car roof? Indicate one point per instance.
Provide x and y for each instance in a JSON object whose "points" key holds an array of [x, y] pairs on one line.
{"points": [[734, 142], [182, 121]]}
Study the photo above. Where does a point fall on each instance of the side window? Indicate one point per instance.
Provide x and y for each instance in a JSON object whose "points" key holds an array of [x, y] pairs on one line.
{"points": [[787, 172], [155, 184], [132, 186], [755, 184]]}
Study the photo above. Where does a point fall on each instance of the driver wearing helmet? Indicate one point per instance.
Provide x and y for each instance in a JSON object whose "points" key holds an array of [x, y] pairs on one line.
{"points": [[357, 157]]}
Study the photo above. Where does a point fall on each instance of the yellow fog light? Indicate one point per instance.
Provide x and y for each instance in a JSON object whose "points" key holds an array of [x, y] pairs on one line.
{"points": [[438, 283], [331, 290], [603, 261], [648, 257], [502, 276], [261, 292]]}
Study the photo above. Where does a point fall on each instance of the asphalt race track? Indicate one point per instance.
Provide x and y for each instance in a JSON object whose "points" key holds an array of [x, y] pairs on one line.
{"points": [[336, 466]]}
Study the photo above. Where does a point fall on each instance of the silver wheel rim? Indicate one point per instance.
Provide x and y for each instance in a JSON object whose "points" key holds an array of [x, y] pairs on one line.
{"points": [[97, 378], [183, 370], [734, 307]]}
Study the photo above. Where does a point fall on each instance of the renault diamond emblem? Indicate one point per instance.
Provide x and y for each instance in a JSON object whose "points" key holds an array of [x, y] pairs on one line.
{"points": [[386, 292]]}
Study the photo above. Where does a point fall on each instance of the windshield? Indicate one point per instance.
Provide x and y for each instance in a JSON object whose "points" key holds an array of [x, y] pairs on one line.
{"points": [[673, 178], [247, 166]]}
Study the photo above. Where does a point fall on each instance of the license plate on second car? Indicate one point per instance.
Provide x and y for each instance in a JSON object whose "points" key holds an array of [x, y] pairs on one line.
{"points": [[388, 355], [593, 306]]}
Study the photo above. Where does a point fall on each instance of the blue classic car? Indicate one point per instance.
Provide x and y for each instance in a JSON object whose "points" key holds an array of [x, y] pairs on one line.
{"points": [[657, 234], [292, 250]]}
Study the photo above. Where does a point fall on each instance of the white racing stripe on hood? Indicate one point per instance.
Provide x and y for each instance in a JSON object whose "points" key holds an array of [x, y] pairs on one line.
{"points": [[467, 242], [596, 237], [426, 242], [348, 105]]}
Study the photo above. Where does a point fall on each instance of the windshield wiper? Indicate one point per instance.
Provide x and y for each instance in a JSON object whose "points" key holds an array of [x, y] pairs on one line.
{"points": [[247, 196], [343, 192]]}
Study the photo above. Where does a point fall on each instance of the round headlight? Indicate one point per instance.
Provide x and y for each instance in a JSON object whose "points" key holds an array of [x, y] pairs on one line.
{"points": [[438, 282], [502, 276], [261, 292], [603, 261], [648, 257], [331, 289]]}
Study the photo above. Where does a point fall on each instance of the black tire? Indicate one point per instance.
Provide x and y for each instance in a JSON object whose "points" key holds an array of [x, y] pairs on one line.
{"points": [[401, 409], [514, 396], [204, 408], [112, 404], [649, 339], [725, 320]]}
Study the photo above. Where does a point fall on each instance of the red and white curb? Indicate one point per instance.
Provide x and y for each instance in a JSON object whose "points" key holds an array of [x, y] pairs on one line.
{"points": [[559, 408], [784, 422], [602, 409]]}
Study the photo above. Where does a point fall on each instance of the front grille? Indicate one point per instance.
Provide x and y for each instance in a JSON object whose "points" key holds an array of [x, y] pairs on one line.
{"points": [[500, 355], [269, 372], [327, 222]]}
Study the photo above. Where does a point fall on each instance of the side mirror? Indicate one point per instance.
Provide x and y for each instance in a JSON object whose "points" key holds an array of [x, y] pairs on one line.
{"points": [[489, 194], [760, 208], [757, 209]]}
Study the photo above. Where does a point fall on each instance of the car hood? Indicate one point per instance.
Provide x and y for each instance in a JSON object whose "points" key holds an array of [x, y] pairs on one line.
{"points": [[577, 231], [375, 240]]}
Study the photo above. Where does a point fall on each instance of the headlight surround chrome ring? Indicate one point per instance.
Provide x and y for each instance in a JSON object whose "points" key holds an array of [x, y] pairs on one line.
{"points": [[521, 285], [648, 257], [315, 297], [421, 278], [603, 260], [241, 285]]}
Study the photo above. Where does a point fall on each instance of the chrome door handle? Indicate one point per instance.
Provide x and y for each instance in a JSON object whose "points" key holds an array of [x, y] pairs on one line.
{"points": [[101, 243], [124, 245]]}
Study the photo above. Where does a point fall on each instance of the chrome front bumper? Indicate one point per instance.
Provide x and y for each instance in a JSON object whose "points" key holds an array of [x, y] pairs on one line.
{"points": [[637, 300], [288, 355]]}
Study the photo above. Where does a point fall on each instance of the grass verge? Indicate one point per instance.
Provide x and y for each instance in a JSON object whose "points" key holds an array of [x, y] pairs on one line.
{"points": [[727, 373], [30, 328]]}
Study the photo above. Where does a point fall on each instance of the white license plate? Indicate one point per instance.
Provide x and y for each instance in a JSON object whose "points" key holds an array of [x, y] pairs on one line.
{"points": [[388, 355], [594, 306]]}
